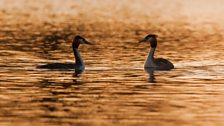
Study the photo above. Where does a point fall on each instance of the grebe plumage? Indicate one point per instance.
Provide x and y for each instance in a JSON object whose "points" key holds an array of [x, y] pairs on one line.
{"points": [[79, 65], [151, 62]]}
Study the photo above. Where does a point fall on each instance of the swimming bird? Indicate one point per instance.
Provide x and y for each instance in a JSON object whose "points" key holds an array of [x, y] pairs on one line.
{"points": [[78, 66], [151, 62]]}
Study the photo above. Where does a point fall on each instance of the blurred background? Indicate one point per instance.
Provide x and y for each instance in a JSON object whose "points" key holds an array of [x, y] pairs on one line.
{"points": [[126, 11]]}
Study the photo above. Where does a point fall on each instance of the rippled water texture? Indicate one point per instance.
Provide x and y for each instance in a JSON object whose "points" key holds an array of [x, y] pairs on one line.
{"points": [[114, 89]]}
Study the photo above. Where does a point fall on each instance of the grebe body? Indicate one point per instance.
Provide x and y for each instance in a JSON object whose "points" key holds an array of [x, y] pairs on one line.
{"points": [[77, 66], [156, 63]]}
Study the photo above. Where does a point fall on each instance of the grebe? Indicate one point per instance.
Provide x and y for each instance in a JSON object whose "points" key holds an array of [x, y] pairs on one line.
{"points": [[79, 65], [151, 62]]}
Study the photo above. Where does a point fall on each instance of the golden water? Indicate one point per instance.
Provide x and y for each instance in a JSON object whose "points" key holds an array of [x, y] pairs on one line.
{"points": [[114, 89]]}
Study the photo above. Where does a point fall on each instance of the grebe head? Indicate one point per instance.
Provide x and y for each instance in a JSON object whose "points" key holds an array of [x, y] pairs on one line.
{"points": [[150, 38], [79, 40]]}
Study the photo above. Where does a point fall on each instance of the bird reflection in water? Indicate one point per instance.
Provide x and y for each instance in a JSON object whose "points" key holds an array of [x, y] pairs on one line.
{"points": [[76, 76], [150, 71]]}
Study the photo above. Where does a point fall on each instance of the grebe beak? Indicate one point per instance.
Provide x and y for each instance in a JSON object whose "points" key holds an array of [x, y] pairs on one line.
{"points": [[84, 41], [87, 42], [140, 41], [146, 40]]}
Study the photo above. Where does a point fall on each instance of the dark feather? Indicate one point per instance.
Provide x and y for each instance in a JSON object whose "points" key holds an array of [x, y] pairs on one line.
{"points": [[65, 66], [164, 64]]}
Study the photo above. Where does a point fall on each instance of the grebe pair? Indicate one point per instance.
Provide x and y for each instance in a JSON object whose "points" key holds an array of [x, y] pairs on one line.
{"points": [[79, 66]]}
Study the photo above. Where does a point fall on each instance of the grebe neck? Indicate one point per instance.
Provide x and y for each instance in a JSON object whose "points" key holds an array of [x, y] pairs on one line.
{"points": [[150, 59], [151, 53], [78, 58]]}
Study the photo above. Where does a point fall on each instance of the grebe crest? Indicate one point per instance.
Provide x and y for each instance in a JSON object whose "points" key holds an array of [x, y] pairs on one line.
{"points": [[152, 39], [151, 62], [79, 40]]}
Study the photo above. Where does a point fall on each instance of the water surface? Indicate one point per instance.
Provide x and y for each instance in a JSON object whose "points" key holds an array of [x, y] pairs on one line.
{"points": [[114, 89]]}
